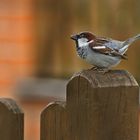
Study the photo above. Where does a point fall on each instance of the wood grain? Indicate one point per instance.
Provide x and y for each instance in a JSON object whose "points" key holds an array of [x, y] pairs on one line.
{"points": [[11, 120], [53, 122], [98, 107]]}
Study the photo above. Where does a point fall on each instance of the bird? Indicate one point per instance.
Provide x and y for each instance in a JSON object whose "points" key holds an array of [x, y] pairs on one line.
{"points": [[101, 52]]}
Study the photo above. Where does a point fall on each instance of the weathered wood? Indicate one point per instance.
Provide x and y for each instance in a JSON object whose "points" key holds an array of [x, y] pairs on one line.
{"points": [[11, 120], [98, 107], [53, 122]]}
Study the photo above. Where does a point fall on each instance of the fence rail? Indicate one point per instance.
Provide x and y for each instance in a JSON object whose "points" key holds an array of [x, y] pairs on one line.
{"points": [[98, 107]]}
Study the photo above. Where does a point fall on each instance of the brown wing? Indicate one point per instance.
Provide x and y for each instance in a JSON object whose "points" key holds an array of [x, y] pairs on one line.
{"points": [[100, 47]]}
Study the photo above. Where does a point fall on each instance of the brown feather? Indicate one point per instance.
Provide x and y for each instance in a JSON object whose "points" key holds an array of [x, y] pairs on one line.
{"points": [[106, 51]]}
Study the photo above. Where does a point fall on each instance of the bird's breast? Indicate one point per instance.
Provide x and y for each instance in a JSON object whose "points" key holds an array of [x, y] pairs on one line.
{"points": [[82, 52], [101, 60]]}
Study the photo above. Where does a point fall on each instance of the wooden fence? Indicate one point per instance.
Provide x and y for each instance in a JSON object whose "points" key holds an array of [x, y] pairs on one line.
{"points": [[55, 21], [98, 107]]}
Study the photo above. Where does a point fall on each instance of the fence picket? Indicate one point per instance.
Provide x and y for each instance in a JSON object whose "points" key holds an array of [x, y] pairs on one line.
{"points": [[98, 107], [11, 120]]}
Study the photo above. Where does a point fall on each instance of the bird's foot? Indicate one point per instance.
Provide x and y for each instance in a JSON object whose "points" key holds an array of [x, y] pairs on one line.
{"points": [[100, 70], [94, 68]]}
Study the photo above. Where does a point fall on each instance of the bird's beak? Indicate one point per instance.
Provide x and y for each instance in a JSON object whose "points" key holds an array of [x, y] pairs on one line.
{"points": [[74, 37]]}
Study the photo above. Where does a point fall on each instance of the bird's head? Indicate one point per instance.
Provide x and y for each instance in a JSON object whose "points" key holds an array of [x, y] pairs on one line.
{"points": [[83, 38]]}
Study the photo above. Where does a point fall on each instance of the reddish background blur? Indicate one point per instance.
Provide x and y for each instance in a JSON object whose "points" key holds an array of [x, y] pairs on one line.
{"points": [[35, 49]]}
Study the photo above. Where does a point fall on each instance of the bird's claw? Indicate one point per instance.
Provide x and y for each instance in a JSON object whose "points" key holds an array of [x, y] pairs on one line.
{"points": [[100, 70]]}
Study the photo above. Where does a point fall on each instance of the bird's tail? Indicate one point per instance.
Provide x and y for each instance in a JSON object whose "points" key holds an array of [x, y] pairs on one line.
{"points": [[128, 42], [131, 40]]}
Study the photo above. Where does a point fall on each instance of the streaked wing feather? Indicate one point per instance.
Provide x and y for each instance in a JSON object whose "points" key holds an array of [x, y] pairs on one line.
{"points": [[100, 47]]}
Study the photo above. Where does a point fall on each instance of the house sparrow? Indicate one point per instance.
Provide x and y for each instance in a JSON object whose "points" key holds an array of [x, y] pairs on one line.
{"points": [[103, 53]]}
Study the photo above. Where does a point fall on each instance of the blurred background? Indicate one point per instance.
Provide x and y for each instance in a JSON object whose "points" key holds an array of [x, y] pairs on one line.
{"points": [[37, 56]]}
